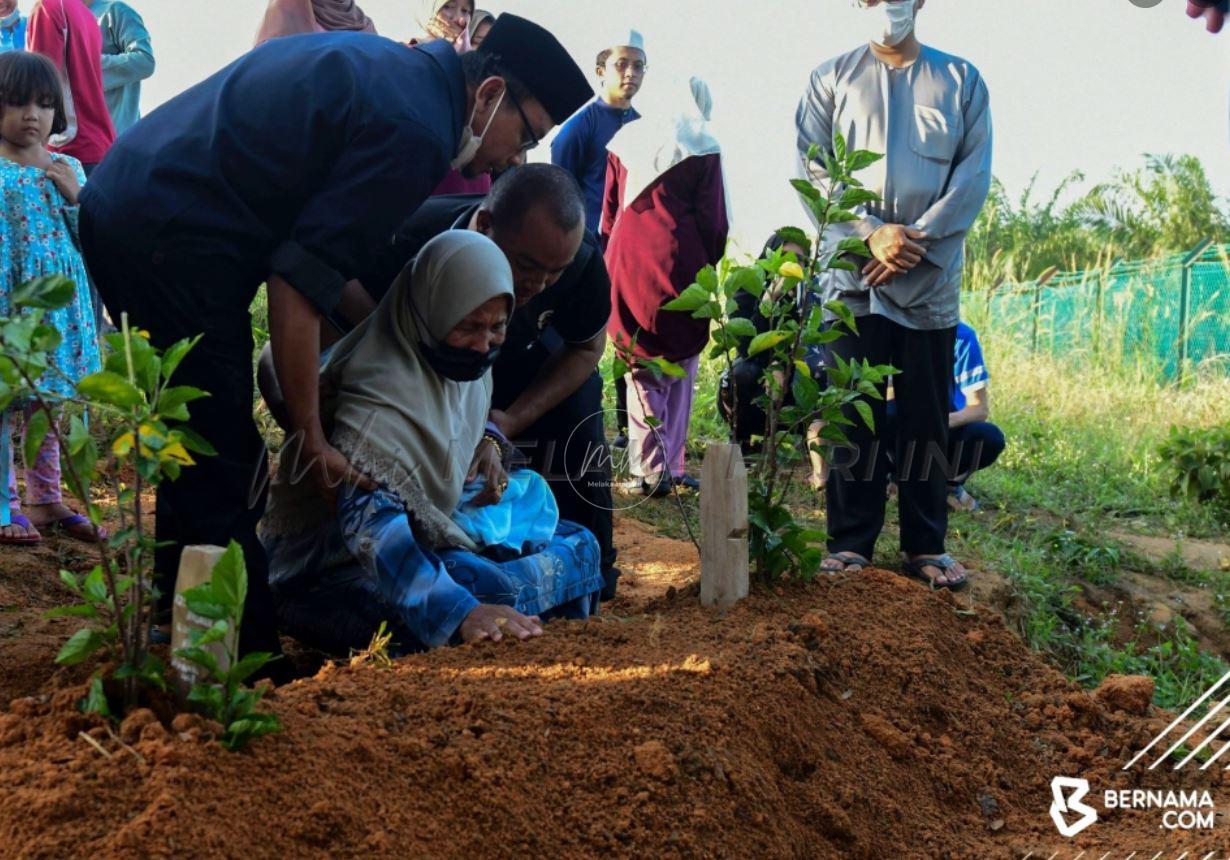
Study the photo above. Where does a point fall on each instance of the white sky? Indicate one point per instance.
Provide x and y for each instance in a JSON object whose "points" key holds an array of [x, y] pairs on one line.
{"points": [[1075, 84]]}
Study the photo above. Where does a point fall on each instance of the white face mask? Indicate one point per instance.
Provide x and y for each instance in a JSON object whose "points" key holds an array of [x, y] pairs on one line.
{"points": [[471, 142], [889, 24]]}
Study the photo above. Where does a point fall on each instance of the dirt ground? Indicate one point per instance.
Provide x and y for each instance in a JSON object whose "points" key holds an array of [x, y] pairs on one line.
{"points": [[860, 717]]}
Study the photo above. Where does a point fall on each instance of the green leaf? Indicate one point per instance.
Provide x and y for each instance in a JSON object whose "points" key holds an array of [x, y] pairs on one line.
{"points": [[208, 608], [861, 159], [668, 368], [95, 586], [741, 327], [230, 580], [215, 633], [45, 339], [248, 666], [78, 610], [193, 441], [203, 658], [840, 149], [110, 388], [864, 411], [50, 292], [766, 341], [70, 581], [805, 390], [175, 354], [37, 428], [853, 245], [806, 189], [208, 699], [80, 646], [691, 299], [95, 701], [843, 313], [852, 198]]}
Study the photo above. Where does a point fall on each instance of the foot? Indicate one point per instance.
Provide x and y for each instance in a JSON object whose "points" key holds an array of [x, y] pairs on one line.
{"points": [[656, 487], [960, 500], [844, 562], [62, 518], [946, 572], [21, 529], [686, 483]]}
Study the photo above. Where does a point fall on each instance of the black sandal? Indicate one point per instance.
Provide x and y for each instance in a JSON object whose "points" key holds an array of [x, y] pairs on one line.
{"points": [[916, 569], [845, 559]]}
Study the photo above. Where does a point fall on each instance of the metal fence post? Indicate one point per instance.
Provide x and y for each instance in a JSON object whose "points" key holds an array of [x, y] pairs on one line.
{"points": [[1185, 306]]}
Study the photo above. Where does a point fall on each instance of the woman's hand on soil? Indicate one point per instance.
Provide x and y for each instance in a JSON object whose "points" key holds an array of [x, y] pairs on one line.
{"points": [[488, 465], [487, 621], [65, 180]]}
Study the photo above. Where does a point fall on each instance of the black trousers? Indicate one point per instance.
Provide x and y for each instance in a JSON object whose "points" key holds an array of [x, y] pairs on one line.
{"points": [[567, 446], [176, 292], [971, 448], [858, 475]]}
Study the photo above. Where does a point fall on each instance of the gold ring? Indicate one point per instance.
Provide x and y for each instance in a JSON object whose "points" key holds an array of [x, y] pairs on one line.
{"points": [[500, 622], [502, 486]]}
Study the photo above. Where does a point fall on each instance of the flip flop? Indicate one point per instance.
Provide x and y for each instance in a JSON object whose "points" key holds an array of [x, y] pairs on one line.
{"points": [[20, 521], [916, 569], [845, 559], [77, 527]]}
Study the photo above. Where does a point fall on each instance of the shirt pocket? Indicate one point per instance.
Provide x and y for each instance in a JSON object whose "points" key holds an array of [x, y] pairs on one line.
{"points": [[934, 135]]}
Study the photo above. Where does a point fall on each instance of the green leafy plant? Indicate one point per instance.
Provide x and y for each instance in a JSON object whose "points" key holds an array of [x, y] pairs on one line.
{"points": [[222, 695], [1199, 461], [144, 443], [1093, 561], [802, 415]]}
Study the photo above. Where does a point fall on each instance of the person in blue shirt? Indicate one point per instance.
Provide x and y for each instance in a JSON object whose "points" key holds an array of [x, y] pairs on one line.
{"points": [[974, 443], [580, 146], [289, 168], [12, 27]]}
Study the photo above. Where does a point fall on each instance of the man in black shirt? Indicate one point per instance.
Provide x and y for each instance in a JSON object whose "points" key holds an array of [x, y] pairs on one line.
{"points": [[548, 393], [290, 167]]}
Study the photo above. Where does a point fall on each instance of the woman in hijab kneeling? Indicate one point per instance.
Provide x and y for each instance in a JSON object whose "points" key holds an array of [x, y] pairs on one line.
{"points": [[449, 548]]}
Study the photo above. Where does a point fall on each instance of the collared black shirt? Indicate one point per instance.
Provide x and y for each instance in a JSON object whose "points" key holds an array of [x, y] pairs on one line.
{"points": [[300, 159], [573, 310]]}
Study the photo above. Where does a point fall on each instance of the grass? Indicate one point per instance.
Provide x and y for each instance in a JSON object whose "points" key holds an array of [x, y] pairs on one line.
{"points": [[1083, 433]]}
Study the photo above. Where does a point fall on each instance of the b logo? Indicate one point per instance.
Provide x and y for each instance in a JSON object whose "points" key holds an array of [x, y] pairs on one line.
{"points": [[1060, 805]]}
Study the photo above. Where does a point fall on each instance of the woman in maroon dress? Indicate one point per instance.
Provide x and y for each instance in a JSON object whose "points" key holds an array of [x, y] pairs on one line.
{"points": [[664, 219]]}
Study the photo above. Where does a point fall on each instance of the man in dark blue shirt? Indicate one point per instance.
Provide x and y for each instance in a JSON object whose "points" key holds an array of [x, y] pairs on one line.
{"points": [[580, 146], [289, 167]]}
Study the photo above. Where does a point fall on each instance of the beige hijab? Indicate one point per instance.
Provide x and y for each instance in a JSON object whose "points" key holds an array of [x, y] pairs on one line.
{"points": [[390, 413]]}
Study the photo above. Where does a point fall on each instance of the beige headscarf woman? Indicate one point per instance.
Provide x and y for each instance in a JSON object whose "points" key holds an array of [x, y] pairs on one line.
{"points": [[435, 27], [394, 417]]}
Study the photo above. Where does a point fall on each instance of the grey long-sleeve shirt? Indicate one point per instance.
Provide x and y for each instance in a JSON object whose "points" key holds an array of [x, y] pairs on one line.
{"points": [[127, 59], [932, 120]]}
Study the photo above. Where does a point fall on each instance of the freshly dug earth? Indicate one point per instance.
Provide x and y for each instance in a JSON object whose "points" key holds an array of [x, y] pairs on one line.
{"points": [[856, 717]]}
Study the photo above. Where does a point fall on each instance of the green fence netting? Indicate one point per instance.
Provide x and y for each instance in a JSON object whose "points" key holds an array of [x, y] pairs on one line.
{"points": [[1171, 313]]}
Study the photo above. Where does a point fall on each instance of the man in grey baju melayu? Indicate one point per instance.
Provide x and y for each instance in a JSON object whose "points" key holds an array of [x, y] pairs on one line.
{"points": [[929, 113]]}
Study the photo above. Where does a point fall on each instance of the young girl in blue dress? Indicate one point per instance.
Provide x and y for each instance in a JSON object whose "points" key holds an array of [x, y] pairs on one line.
{"points": [[38, 236]]}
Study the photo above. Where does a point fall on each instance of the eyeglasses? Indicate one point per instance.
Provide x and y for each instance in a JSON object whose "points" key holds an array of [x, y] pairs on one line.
{"points": [[533, 141], [638, 66]]}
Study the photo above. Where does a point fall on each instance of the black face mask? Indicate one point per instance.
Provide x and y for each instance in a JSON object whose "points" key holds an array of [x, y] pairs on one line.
{"points": [[457, 363]]}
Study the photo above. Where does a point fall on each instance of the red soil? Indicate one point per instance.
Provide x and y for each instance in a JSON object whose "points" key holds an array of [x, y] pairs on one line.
{"points": [[861, 717]]}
